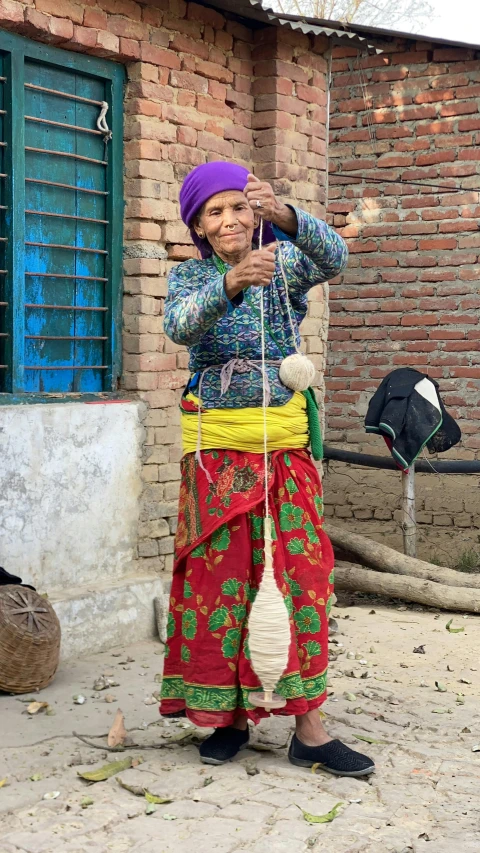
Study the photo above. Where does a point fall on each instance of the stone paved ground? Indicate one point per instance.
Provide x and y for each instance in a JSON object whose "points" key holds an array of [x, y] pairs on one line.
{"points": [[423, 797]]}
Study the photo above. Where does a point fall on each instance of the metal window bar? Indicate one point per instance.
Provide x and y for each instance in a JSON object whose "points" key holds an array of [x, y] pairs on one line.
{"points": [[67, 367], [61, 246], [66, 216], [63, 275], [78, 127], [66, 337], [66, 154], [64, 307], [62, 94], [63, 186]]}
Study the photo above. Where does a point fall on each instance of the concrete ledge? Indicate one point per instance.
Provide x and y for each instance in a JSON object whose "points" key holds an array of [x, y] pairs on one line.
{"points": [[99, 616]]}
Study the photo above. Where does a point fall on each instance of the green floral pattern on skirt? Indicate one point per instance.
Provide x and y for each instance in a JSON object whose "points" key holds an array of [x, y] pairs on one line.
{"points": [[216, 577]]}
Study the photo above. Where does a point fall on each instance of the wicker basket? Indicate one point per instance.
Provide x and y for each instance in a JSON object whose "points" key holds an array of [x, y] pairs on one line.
{"points": [[29, 640]]}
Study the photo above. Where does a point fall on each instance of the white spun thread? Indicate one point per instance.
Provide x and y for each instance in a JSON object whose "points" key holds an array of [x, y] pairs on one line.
{"points": [[269, 623]]}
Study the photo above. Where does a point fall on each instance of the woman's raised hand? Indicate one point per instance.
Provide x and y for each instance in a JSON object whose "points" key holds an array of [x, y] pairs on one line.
{"points": [[261, 198], [264, 203], [255, 270]]}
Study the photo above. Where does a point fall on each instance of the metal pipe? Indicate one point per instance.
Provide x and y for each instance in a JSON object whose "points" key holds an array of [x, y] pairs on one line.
{"points": [[423, 466]]}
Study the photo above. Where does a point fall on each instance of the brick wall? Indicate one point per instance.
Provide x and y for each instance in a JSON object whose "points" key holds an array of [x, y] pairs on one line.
{"points": [[410, 294], [200, 87]]}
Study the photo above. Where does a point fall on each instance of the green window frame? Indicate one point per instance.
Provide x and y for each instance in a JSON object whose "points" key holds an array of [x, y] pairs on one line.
{"points": [[61, 220]]}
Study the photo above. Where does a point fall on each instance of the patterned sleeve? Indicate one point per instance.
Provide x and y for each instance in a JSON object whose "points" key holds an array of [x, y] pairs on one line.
{"points": [[316, 254], [193, 305]]}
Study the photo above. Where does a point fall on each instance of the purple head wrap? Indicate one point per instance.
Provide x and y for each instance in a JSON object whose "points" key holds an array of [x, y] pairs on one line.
{"points": [[205, 181]]}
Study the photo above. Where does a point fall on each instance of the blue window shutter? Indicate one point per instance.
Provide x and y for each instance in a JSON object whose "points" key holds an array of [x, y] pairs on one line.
{"points": [[63, 284]]}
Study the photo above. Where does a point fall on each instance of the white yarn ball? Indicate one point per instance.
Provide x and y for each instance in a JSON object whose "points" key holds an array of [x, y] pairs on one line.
{"points": [[297, 372]]}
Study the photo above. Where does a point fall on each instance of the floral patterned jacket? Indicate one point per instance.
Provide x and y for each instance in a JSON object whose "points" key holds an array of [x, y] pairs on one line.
{"points": [[199, 315]]}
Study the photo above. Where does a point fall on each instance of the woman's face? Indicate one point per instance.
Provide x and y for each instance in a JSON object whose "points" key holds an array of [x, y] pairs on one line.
{"points": [[227, 221]]}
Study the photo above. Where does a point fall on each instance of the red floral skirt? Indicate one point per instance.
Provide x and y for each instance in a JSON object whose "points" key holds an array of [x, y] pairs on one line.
{"points": [[217, 571]]}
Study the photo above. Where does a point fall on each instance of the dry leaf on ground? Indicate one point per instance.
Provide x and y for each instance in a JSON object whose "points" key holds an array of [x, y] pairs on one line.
{"points": [[118, 732]]}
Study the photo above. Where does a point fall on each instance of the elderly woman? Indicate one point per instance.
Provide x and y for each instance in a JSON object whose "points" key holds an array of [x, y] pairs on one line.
{"points": [[214, 308]]}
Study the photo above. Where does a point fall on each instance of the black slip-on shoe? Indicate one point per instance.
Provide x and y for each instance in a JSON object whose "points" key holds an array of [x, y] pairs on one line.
{"points": [[223, 745], [333, 757]]}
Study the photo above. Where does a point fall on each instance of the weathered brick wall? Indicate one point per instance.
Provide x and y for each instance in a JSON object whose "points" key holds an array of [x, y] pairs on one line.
{"points": [[410, 294], [200, 87]]}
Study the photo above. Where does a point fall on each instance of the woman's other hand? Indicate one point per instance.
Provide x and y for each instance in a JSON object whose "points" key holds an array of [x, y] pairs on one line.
{"points": [[255, 270]]}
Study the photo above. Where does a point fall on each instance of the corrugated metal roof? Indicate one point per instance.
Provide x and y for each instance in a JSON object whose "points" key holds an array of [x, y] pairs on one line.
{"points": [[254, 10], [355, 33]]}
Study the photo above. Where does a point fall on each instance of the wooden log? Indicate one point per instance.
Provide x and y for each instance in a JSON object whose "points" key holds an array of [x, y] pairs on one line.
{"points": [[384, 559], [358, 579]]}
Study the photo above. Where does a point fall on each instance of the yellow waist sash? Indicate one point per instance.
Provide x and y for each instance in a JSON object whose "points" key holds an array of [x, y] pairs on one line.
{"points": [[242, 429]]}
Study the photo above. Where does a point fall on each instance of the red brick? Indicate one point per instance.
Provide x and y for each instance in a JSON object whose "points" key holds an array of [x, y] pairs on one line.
{"points": [[419, 320], [430, 97], [389, 161], [382, 319], [400, 276], [356, 246], [434, 215], [83, 37], [458, 319], [437, 275], [408, 334], [459, 109], [420, 201], [184, 154], [452, 54], [184, 44], [390, 74], [64, 9], [343, 121], [379, 261], [453, 227], [121, 26], [417, 113], [280, 102], [206, 16], [121, 7], [159, 56], [469, 124], [129, 49], [437, 245], [214, 71], [434, 127], [393, 132], [398, 245], [418, 228], [211, 143], [412, 145], [435, 157]]}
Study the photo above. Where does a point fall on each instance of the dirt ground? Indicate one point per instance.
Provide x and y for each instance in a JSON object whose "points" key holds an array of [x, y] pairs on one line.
{"points": [[422, 798]]}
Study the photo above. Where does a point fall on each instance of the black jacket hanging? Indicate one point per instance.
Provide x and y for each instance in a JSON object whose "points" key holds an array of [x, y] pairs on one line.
{"points": [[408, 411]]}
